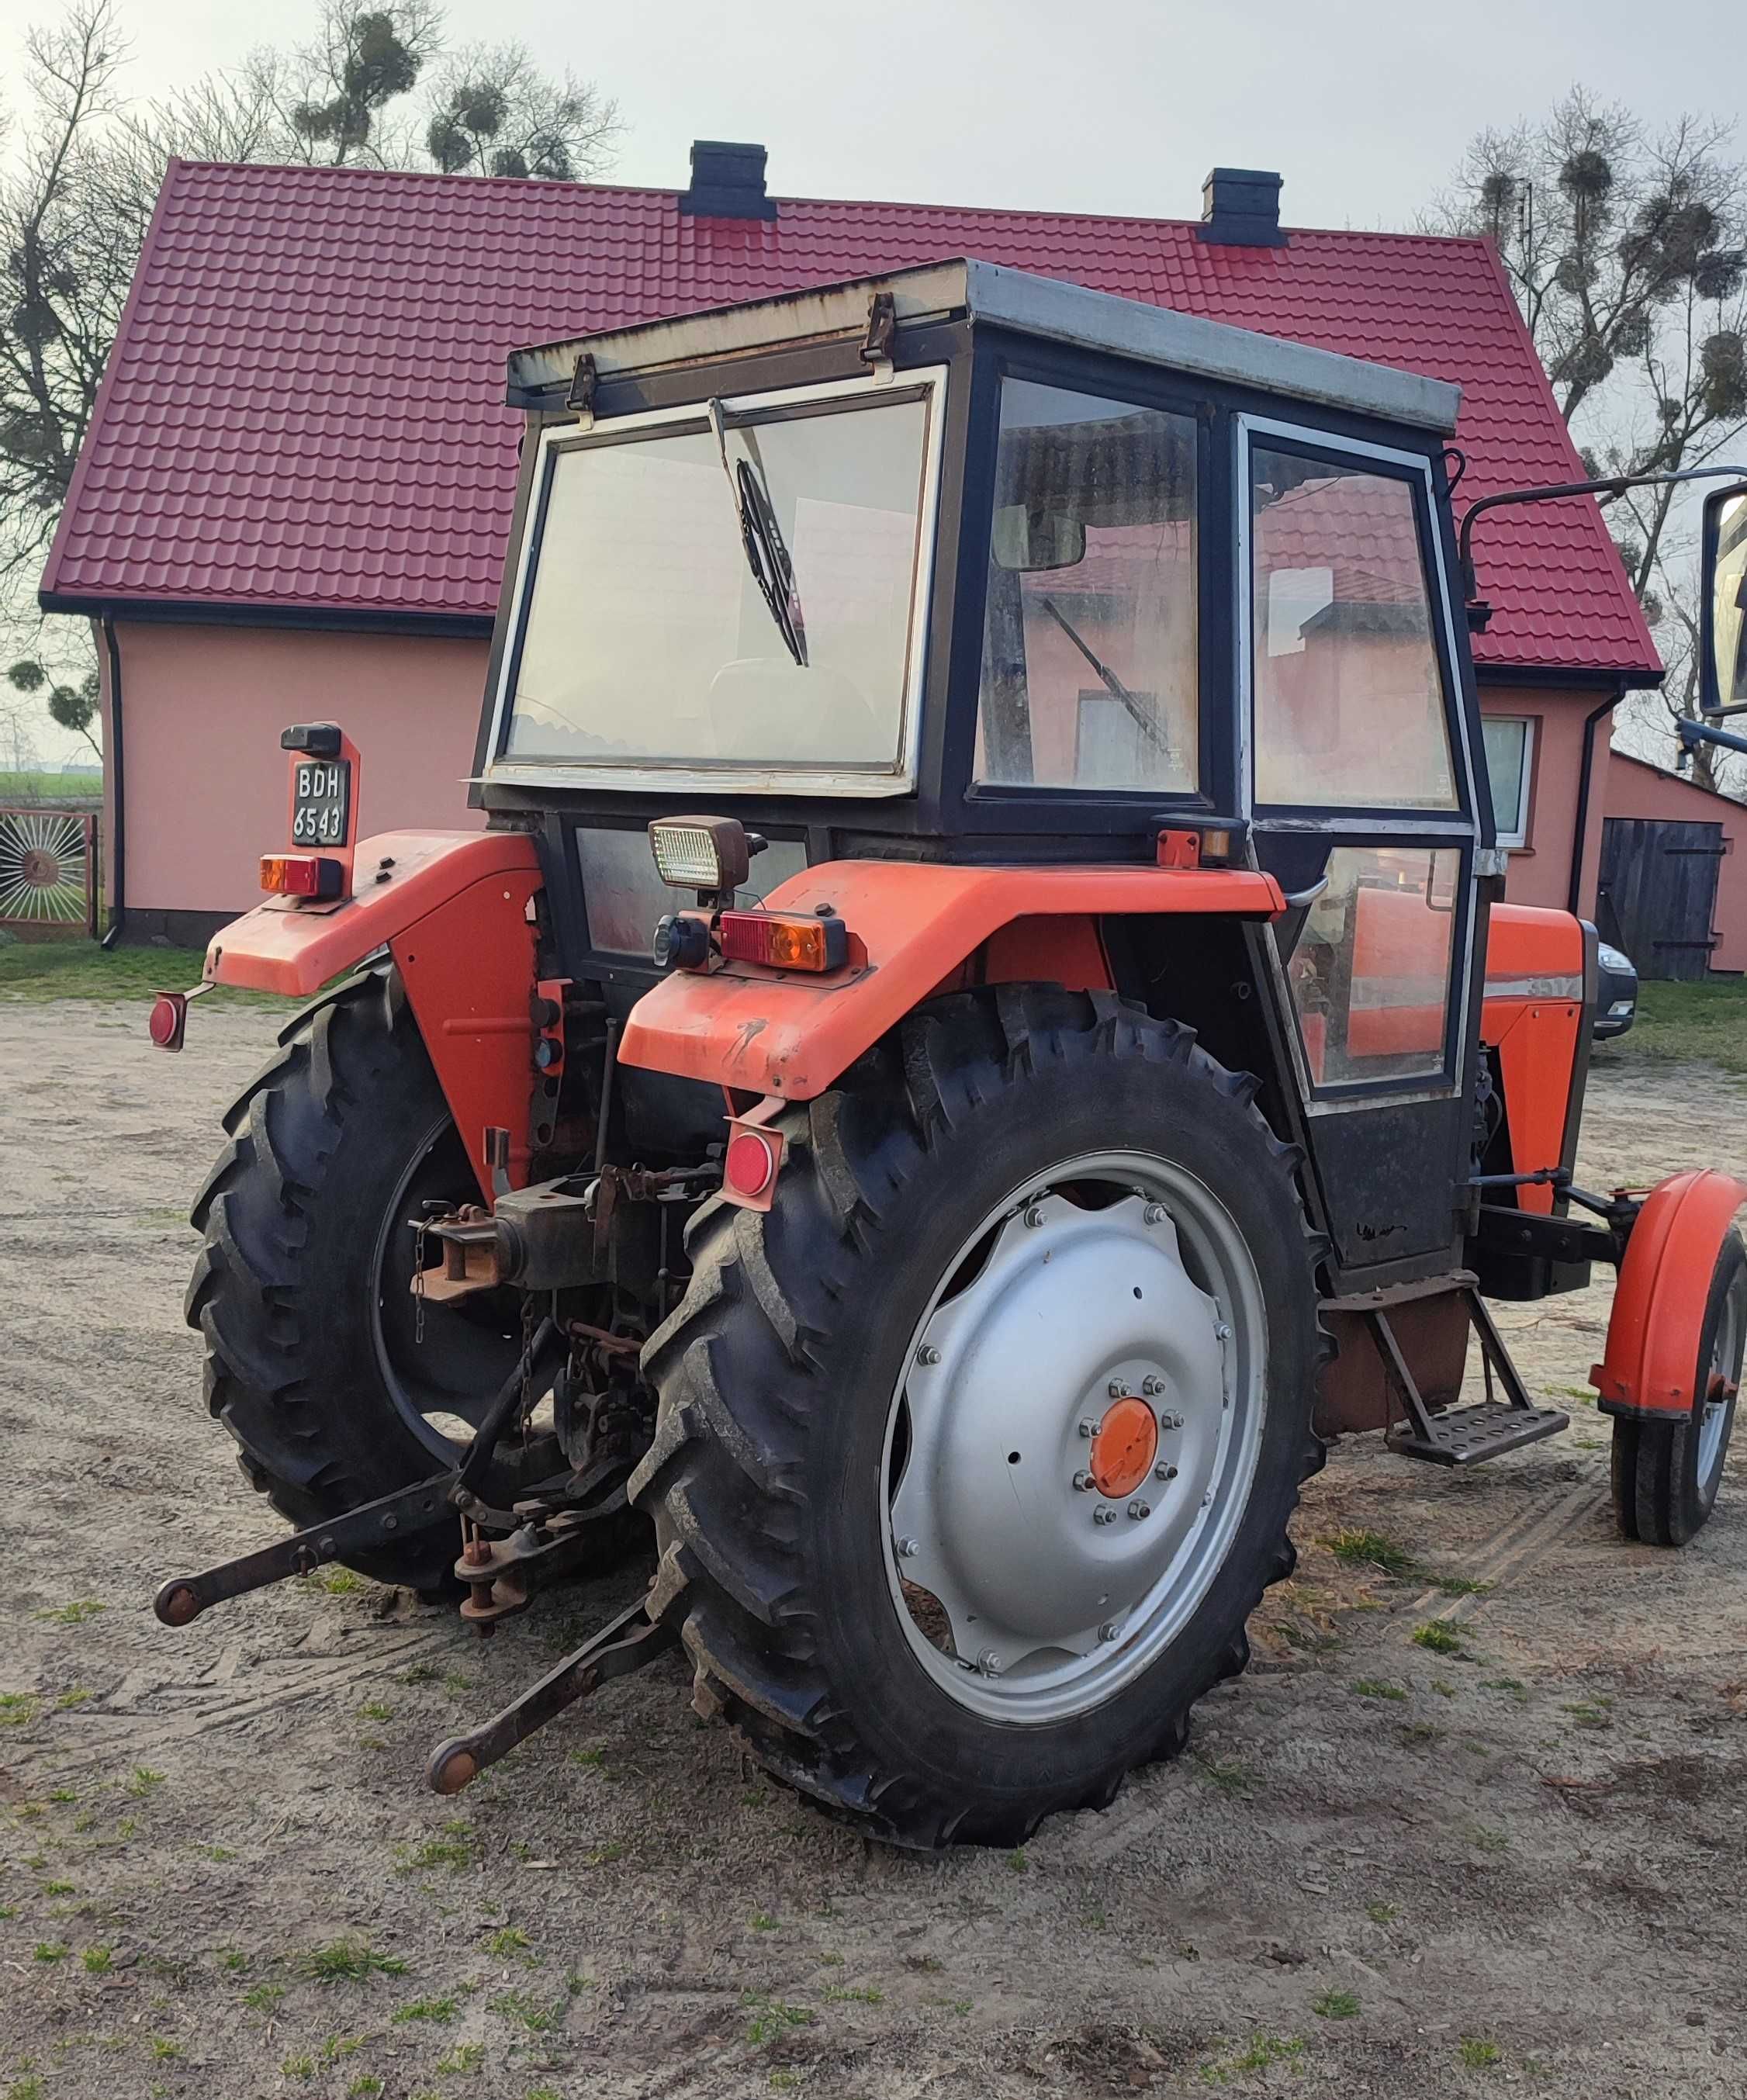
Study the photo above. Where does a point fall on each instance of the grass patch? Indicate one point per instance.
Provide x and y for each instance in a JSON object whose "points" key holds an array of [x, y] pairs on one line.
{"points": [[1375, 1687], [1380, 1914], [1490, 1840], [346, 1961], [163, 2049], [82, 1608], [439, 2011], [454, 1847], [51, 1950], [855, 1994], [298, 2066], [1459, 1586], [264, 1997], [1477, 2052], [1371, 1548], [1017, 1861], [68, 1700], [1230, 1776], [365, 2086], [769, 2018], [97, 1960], [762, 1921], [18, 1708], [376, 1709], [1264, 2049], [511, 1940], [40, 971], [142, 1782], [1704, 1023], [335, 1582], [1336, 2006], [464, 2060], [533, 2012], [1438, 1638]]}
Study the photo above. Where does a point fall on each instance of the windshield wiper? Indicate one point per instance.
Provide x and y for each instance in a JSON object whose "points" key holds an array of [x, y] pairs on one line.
{"points": [[1144, 717], [761, 537]]}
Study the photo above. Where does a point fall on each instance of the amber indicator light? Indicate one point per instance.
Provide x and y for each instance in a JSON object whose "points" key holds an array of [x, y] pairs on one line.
{"points": [[782, 942]]}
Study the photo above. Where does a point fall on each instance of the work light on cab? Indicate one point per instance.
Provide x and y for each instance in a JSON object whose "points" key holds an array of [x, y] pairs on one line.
{"points": [[704, 853]]}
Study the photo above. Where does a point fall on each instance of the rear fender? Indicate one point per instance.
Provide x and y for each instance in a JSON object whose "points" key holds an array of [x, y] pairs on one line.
{"points": [[451, 908], [1659, 1305], [912, 927]]}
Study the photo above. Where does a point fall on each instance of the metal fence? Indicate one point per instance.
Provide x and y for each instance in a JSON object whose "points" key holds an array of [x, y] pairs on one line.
{"points": [[48, 871]]}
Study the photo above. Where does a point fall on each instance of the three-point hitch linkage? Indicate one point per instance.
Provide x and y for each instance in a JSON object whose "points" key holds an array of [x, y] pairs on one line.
{"points": [[548, 1533]]}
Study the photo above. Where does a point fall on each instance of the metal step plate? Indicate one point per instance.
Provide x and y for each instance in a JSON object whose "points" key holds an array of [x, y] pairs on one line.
{"points": [[1465, 1435]]}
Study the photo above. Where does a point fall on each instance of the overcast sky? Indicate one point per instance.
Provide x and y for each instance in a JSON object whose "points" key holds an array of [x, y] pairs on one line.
{"points": [[1108, 105]]}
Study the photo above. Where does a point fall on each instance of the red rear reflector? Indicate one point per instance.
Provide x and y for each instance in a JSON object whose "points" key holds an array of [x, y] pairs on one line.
{"points": [[750, 1167], [300, 875], [782, 942], [169, 1016]]}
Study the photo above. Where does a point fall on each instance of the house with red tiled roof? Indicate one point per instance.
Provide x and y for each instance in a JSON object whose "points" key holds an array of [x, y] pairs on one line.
{"points": [[295, 493]]}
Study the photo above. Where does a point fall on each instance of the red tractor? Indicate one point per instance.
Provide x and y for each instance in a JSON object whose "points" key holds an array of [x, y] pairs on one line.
{"points": [[943, 1195]]}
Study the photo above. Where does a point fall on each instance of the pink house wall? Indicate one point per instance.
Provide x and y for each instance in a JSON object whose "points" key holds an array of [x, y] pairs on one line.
{"points": [[202, 706], [1540, 872], [1635, 789]]}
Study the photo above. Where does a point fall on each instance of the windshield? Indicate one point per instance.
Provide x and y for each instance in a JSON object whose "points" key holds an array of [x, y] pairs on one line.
{"points": [[648, 631]]}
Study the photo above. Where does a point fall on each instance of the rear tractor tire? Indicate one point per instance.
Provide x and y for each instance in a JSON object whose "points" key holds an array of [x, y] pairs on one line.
{"points": [[1666, 1474], [975, 1454], [318, 1361]]}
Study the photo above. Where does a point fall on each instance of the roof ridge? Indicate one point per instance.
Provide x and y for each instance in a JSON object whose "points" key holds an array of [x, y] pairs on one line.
{"points": [[523, 182]]}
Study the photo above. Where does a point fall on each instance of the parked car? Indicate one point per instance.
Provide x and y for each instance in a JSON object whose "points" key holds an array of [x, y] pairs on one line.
{"points": [[1616, 991]]}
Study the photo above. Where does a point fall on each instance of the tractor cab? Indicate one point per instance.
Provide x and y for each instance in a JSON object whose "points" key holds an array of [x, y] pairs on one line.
{"points": [[967, 566], [980, 1032]]}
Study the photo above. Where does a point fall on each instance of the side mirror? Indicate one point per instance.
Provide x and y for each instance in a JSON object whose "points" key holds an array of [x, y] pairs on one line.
{"points": [[1029, 540], [1722, 605]]}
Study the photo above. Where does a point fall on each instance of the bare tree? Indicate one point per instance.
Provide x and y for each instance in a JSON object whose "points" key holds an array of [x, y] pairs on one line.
{"points": [[1627, 251], [492, 111], [66, 256]]}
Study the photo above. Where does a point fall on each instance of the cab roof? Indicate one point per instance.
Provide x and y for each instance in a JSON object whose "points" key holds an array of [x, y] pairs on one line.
{"points": [[993, 294]]}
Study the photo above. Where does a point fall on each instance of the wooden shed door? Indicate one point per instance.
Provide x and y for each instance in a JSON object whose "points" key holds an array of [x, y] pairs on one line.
{"points": [[1659, 891]]}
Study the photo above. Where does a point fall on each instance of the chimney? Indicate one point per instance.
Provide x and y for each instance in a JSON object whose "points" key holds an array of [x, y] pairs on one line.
{"points": [[727, 182], [1240, 208]]}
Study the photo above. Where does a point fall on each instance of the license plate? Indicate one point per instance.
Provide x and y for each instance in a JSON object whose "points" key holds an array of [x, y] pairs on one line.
{"points": [[321, 801]]}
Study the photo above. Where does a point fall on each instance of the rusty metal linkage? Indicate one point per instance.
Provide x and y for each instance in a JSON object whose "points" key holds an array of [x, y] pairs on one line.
{"points": [[622, 1645]]}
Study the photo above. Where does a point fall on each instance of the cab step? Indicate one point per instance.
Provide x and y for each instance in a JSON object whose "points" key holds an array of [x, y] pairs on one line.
{"points": [[1465, 1435]]}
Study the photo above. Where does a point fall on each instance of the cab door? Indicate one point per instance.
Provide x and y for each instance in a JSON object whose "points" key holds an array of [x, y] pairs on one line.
{"points": [[1360, 776]]}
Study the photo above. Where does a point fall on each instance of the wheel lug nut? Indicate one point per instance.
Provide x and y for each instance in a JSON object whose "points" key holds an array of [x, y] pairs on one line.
{"points": [[1117, 1390], [1139, 1510], [1173, 1421], [989, 1663], [908, 1548], [1109, 1630], [1152, 1386], [1082, 1481], [1088, 1427], [1034, 1216], [1154, 1214], [1104, 1514], [1223, 1329], [928, 1354], [1165, 1472]]}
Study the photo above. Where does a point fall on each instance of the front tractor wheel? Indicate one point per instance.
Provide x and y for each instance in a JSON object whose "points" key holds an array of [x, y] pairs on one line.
{"points": [[1666, 1474], [976, 1452], [338, 1385]]}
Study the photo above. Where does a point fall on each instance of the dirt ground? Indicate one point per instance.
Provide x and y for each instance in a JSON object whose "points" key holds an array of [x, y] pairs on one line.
{"points": [[1382, 1868]]}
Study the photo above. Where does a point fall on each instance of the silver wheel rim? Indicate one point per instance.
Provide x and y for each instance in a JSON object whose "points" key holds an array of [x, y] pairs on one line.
{"points": [[1027, 1592], [1721, 1378]]}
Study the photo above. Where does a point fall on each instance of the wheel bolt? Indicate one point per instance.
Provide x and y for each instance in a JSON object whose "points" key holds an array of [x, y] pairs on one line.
{"points": [[1166, 1472], [989, 1663], [1034, 1216], [1154, 1214], [1171, 1420], [1082, 1481], [1152, 1386], [1139, 1510], [1223, 1329], [908, 1548], [1117, 1390], [1109, 1630], [1088, 1427], [1104, 1514], [928, 1354]]}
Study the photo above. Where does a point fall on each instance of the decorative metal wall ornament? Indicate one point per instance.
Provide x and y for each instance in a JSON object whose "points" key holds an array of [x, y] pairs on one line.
{"points": [[48, 868]]}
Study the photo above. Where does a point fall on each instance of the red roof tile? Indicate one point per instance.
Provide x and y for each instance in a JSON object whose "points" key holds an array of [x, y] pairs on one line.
{"points": [[304, 407]]}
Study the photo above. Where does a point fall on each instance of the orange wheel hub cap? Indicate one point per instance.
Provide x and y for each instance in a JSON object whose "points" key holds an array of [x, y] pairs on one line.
{"points": [[1124, 1448]]}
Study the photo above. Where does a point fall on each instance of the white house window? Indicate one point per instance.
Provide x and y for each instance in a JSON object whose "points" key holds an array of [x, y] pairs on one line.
{"points": [[1509, 763]]}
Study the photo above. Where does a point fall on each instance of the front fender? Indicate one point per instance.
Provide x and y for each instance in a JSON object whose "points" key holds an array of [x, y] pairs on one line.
{"points": [[911, 924], [1652, 1362]]}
